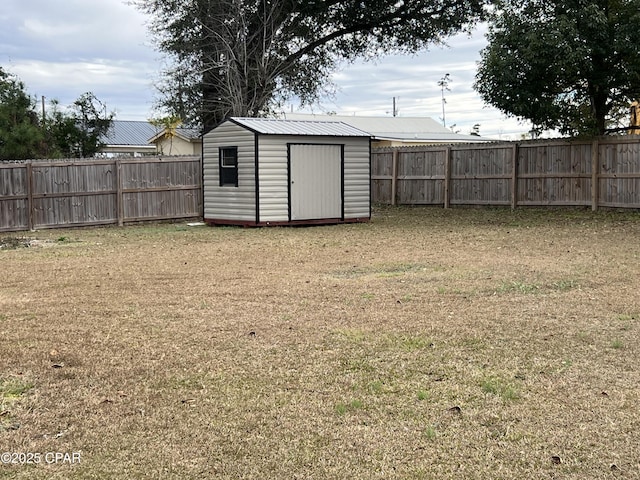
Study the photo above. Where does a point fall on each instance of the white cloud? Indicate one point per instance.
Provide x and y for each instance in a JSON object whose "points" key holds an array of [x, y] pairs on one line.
{"points": [[63, 48], [368, 88], [119, 84]]}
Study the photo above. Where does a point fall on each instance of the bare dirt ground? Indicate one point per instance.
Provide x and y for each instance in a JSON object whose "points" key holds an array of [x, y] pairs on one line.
{"points": [[467, 343]]}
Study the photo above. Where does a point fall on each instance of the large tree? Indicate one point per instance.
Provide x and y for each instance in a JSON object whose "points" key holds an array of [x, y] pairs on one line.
{"points": [[244, 57], [570, 65]]}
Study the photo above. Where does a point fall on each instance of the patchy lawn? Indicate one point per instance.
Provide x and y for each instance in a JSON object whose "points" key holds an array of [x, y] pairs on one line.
{"points": [[429, 343]]}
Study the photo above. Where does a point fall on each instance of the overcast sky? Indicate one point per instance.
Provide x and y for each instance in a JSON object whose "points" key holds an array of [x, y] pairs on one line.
{"points": [[63, 48]]}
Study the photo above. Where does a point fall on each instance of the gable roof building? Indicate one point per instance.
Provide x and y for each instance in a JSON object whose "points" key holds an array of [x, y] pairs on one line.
{"points": [[266, 171], [183, 141], [130, 137], [396, 131], [136, 138]]}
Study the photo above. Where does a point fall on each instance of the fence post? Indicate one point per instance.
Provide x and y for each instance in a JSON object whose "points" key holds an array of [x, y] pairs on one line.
{"points": [[447, 176], [514, 176], [394, 176], [595, 174], [119, 199], [30, 206]]}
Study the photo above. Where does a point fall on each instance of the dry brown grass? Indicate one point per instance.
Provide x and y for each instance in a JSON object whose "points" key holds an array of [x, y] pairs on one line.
{"points": [[469, 343]]}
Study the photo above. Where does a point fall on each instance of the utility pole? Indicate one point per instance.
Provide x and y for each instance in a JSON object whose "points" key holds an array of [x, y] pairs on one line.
{"points": [[43, 111], [443, 83], [395, 110]]}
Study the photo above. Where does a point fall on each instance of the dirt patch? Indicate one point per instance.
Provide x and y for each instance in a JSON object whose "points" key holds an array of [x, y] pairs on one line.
{"points": [[15, 242], [11, 243], [429, 343]]}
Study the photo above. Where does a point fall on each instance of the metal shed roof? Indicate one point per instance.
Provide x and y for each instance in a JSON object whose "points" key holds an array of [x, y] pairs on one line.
{"points": [[272, 126]]}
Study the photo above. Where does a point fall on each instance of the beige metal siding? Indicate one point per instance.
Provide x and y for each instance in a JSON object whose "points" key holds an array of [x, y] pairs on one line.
{"points": [[229, 202], [273, 177], [273, 174], [357, 178]]}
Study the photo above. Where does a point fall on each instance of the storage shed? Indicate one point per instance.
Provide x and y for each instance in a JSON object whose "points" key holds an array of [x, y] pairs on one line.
{"points": [[260, 172]]}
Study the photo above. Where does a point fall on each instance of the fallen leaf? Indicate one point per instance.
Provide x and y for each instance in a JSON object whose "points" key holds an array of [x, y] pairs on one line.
{"points": [[456, 410], [556, 459], [57, 365]]}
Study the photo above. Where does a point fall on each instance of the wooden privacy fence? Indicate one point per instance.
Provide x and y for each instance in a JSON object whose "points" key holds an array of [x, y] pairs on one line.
{"points": [[49, 194], [599, 173]]}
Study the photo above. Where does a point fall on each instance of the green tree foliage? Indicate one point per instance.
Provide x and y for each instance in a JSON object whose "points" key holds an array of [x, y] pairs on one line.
{"points": [[570, 65], [76, 132], [168, 125], [20, 134], [84, 127], [245, 57]]}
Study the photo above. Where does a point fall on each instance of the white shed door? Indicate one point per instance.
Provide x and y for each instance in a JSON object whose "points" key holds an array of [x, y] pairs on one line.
{"points": [[316, 181]]}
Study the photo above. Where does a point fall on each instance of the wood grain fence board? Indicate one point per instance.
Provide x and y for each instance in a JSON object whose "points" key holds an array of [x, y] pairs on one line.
{"points": [[620, 178], [14, 197], [49, 194], [481, 176], [603, 171], [381, 177], [167, 188], [555, 174], [420, 175]]}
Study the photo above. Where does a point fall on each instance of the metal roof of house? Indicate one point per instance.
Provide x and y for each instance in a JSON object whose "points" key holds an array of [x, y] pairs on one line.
{"points": [[140, 133], [129, 132], [187, 134], [272, 126], [405, 129]]}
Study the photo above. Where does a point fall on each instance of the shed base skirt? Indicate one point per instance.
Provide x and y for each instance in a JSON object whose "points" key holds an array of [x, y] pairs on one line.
{"points": [[323, 221]]}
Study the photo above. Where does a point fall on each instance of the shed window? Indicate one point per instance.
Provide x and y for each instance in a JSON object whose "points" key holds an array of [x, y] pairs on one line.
{"points": [[229, 166]]}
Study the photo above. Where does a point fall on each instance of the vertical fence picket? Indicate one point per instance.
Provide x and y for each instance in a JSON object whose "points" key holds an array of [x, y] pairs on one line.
{"points": [[394, 177], [447, 178], [514, 176], [595, 174], [30, 206]]}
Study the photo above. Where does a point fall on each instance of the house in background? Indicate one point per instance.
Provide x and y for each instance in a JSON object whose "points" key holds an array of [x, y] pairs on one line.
{"points": [[138, 138], [129, 137], [396, 131], [183, 141]]}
